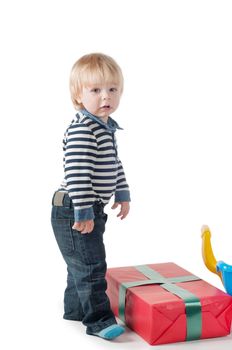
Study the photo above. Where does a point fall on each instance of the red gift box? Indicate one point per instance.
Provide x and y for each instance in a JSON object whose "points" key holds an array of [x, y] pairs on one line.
{"points": [[161, 309]]}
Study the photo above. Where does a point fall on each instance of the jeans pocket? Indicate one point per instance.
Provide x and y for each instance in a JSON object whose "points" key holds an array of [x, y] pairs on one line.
{"points": [[62, 213], [62, 229]]}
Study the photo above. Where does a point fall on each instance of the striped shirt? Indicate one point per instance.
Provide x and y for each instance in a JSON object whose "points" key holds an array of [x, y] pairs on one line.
{"points": [[93, 171]]}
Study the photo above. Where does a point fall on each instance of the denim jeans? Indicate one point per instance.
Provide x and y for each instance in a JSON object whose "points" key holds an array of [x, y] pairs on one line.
{"points": [[85, 298]]}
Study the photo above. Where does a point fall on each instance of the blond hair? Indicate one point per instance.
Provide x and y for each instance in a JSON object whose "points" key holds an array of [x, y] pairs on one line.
{"points": [[94, 68]]}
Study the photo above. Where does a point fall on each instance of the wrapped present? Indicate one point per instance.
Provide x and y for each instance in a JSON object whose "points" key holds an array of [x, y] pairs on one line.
{"points": [[164, 303]]}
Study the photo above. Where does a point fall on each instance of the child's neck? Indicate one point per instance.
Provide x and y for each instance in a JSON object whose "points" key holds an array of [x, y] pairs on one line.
{"points": [[104, 119]]}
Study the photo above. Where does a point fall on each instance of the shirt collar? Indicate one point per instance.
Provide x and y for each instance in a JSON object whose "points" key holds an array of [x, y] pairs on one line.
{"points": [[111, 124]]}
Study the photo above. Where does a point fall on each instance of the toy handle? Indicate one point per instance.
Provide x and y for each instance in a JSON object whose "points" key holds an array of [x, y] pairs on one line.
{"points": [[207, 251]]}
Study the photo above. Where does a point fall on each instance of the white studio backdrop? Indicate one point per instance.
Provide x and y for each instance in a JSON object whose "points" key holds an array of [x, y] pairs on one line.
{"points": [[176, 144]]}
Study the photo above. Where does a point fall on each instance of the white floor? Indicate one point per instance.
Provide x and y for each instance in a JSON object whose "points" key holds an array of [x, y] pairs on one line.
{"points": [[67, 334], [55, 333]]}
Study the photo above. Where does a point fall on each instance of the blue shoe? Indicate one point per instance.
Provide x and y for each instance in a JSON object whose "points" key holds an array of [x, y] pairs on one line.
{"points": [[111, 332]]}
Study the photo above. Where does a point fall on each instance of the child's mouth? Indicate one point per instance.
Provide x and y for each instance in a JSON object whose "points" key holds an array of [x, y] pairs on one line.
{"points": [[105, 107]]}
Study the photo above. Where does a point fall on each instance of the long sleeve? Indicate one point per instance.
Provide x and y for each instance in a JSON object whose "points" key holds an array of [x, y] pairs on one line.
{"points": [[122, 193], [80, 156]]}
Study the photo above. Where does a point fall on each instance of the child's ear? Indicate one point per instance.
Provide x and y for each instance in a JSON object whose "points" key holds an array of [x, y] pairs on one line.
{"points": [[78, 99]]}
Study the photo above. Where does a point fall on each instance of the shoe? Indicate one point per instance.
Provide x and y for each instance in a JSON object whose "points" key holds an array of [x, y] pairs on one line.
{"points": [[110, 332]]}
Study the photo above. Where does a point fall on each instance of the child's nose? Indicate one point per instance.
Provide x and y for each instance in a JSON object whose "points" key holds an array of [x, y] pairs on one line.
{"points": [[105, 95]]}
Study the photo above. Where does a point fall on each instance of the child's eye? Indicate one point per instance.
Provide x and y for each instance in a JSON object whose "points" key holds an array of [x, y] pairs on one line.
{"points": [[113, 89], [95, 90]]}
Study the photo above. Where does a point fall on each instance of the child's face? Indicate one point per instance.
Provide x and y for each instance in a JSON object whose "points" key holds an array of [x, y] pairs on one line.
{"points": [[100, 99]]}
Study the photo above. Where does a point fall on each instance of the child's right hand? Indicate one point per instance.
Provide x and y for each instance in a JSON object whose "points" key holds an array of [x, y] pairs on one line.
{"points": [[84, 226]]}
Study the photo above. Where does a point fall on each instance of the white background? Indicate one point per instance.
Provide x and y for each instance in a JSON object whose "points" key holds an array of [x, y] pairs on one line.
{"points": [[176, 148]]}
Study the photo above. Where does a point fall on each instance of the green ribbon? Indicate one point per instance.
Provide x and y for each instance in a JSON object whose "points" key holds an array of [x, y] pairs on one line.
{"points": [[192, 303]]}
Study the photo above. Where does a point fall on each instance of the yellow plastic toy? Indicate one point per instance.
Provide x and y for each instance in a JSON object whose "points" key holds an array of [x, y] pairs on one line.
{"points": [[223, 270], [207, 251]]}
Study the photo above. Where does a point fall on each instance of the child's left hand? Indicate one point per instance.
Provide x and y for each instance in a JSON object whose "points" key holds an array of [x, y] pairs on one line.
{"points": [[125, 208]]}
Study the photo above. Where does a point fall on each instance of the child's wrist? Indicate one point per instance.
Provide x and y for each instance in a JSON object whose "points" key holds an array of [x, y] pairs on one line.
{"points": [[122, 196], [83, 214]]}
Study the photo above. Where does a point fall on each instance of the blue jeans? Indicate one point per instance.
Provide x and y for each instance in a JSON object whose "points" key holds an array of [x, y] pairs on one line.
{"points": [[85, 298]]}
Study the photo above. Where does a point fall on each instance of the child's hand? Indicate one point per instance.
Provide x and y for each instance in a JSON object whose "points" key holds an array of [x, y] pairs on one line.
{"points": [[84, 226], [125, 208]]}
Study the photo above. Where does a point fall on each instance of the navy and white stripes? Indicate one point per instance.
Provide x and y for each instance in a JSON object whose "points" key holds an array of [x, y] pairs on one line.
{"points": [[93, 171]]}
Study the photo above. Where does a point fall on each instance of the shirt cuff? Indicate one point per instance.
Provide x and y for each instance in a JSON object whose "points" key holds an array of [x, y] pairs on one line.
{"points": [[122, 196], [84, 214]]}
